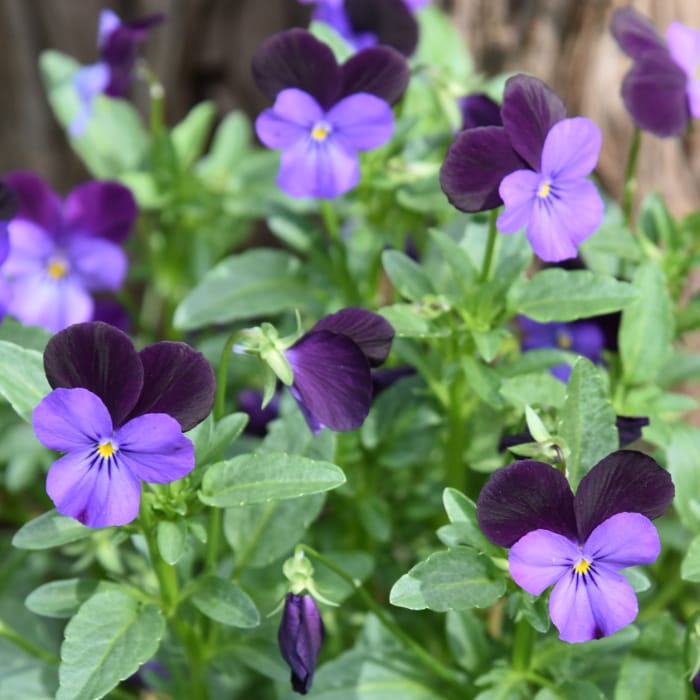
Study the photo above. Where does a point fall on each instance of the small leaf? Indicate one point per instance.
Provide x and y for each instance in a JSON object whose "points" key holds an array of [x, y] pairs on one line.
{"points": [[190, 135], [690, 567], [63, 598], [50, 530], [214, 441], [171, 537], [22, 379], [462, 511], [225, 602], [409, 278]]}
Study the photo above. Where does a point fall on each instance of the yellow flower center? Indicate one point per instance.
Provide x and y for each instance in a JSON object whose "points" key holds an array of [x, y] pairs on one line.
{"points": [[320, 131], [106, 448], [544, 190], [57, 268], [582, 566], [564, 340]]}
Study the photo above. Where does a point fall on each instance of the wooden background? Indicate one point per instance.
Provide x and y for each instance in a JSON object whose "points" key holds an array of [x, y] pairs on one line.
{"points": [[205, 47]]}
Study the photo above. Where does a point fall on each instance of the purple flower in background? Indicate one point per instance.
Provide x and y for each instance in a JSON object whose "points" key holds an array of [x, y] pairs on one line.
{"points": [[8, 210], [324, 113], [119, 415], [582, 337], [300, 637], [61, 252], [660, 91], [331, 365], [250, 402], [578, 543], [116, 42], [479, 110]]}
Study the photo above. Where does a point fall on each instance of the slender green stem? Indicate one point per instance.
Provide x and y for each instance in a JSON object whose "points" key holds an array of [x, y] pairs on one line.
{"points": [[631, 176], [438, 668], [456, 472], [24, 644], [222, 376], [337, 253], [490, 246], [523, 645]]}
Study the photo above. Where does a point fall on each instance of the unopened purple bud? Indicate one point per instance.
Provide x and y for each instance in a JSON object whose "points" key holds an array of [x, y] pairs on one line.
{"points": [[300, 637]]}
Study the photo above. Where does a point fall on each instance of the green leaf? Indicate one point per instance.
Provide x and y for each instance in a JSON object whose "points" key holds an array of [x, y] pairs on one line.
{"points": [[210, 440], [63, 598], [646, 330], [462, 510], [171, 536], [190, 135], [587, 420], [22, 379], [259, 282], [484, 380], [452, 580], [409, 278], [683, 457], [566, 295], [225, 602], [467, 639], [257, 478], [106, 641], [413, 321], [50, 530], [456, 257], [536, 388], [261, 533], [690, 567], [230, 143], [358, 564]]}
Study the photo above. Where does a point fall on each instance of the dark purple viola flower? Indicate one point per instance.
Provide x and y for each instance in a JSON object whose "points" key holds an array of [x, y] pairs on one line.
{"points": [[300, 637], [112, 312], [116, 42], [660, 91], [331, 366], [582, 337], [250, 401], [479, 110], [61, 252], [578, 543], [119, 415], [629, 428]]}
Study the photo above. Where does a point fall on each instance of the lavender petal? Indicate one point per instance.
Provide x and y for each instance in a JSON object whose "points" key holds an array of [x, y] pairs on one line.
{"points": [[625, 539]]}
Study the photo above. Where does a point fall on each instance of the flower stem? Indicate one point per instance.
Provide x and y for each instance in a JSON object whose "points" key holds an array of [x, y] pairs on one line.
{"points": [[631, 176], [27, 646], [222, 375], [490, 246], [427, 659], [523, 645], [165, 573], [338, 254]]}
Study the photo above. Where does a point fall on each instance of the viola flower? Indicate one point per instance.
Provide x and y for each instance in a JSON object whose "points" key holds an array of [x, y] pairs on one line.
{"points": [[479, 109], [331, 366], [578, 543], [300, 637], [324, 113], [250, 402], [660, 91], [119, 415], [629, 428], [582, 337], [61, 252], [116, 42], [8, 210]]}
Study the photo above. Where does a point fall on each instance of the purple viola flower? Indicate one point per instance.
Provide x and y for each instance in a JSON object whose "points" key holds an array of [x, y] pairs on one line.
{"points": [[660, 91], [629, 428], [582, 337], [116, 42], [331, 366], [119, 415], [61, 252], [578, 543], [250, 402], [479, 110], [324, 113], [8, 210], [300, 637]]}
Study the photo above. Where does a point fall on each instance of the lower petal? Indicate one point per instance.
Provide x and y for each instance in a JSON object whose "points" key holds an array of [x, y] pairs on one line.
{"points": [[97, 492]]}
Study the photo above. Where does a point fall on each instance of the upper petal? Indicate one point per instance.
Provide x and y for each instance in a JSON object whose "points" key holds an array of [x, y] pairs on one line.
{"points": [[684, 46], [100, 358], [361, 122], [479, 110], [389, 20], [625, 539], [177, 380], [530, 109], [332, 378], [571, 148], [625, 481], [154, 449], [70, 419], [101, 209], [635, 34], [476, 163], [371, 332], [36, 201], [540, 558], [525, 496], [377, 70], [295, 58]]}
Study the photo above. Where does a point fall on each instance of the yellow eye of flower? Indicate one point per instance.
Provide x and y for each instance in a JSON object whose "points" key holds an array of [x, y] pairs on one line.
{"points": [[544, 190], [57, 268], [564, 341], [106, 448], [320, 131], [582, 566]]}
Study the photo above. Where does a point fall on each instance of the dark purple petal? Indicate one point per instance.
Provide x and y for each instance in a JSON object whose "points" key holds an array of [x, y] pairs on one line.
{"points": [[332, 378], [371, 332], [529, 111], [626, 539], [296, 59], [104, 209], [540, 558], [634, 33], [624, 482], [154, 449], [300, 637], [479, 110], [36, 201], [378, 70], [8, 202], [654, 93], [522, 497], [250, 402], [384, 378], [177, 380], [476, 162], [99, 358], [629, 428], [389, 20]]}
